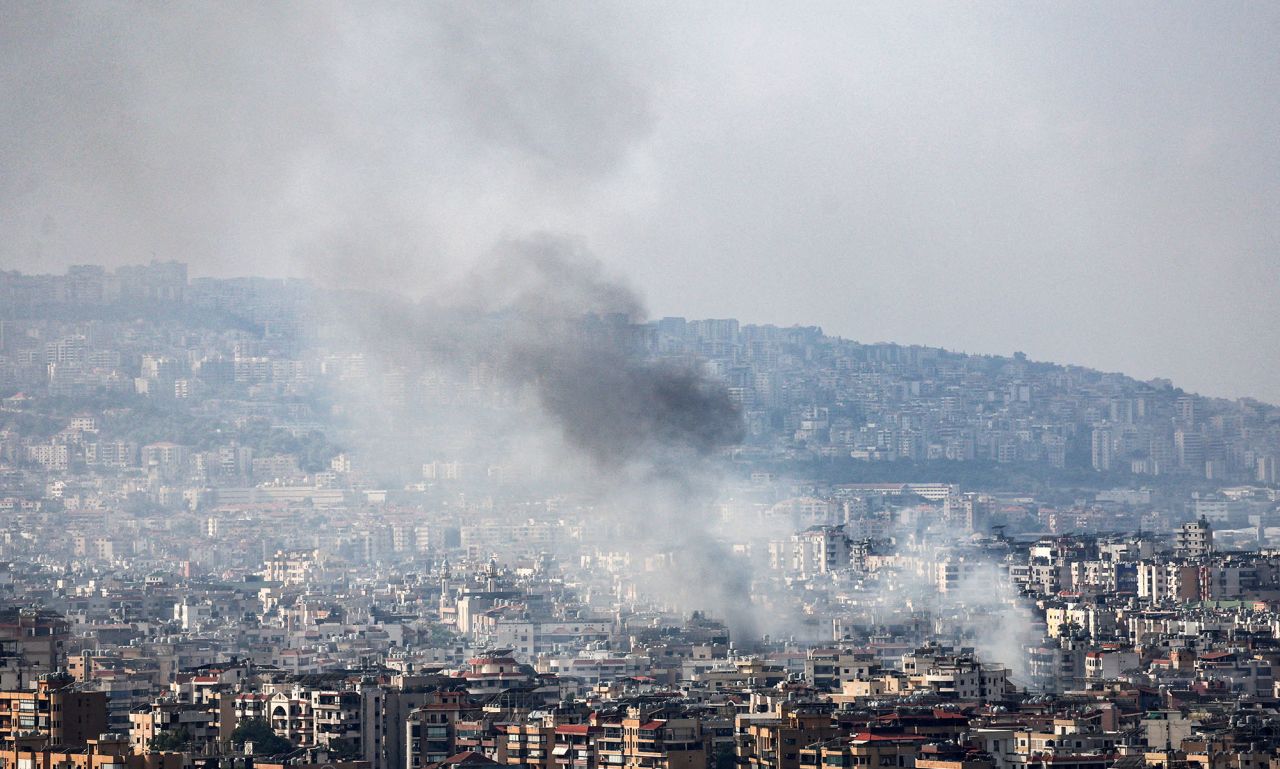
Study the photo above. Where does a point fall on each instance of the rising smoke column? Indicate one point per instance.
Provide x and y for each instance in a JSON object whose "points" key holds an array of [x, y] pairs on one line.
{"points": [[565, 330], [643, 435]]}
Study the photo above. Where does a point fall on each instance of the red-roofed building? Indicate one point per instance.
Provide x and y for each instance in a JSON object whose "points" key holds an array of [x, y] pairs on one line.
{"points": [[491, 675], [641, 742], [466, 760], [940, 724], [574, 746], [863, 749]]}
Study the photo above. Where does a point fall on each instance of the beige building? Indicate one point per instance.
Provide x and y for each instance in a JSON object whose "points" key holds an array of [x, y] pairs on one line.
{"points": [[643, 742]]}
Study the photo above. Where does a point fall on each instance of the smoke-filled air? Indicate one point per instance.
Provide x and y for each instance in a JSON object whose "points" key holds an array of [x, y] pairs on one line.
{"points": [[562, 345], [608, 385]]}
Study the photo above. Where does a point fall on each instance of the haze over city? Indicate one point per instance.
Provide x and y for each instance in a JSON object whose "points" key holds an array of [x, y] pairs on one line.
{"points": [[538, 385], [1087, 183]]}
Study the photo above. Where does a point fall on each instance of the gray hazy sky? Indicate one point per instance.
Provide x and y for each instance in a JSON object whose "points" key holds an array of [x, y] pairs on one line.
{"points": [[1093, 183]]}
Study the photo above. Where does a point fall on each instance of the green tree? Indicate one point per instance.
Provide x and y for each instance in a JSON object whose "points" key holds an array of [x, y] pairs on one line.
{"points": [[724, 757], [344, 750], [170, 741], [265, 741]]}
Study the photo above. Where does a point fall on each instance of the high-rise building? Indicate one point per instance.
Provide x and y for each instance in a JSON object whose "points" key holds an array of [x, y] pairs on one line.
{"points": [[1103, 449], [1185, 409], [1189, 447], [1266, 470]]}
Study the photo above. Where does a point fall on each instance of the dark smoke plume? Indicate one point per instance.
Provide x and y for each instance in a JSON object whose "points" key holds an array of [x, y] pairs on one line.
{"points": [[642, 435], [566, 330], [540, 313]]}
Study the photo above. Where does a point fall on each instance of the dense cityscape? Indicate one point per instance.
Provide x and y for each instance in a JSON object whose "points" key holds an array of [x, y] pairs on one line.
{"points": [[240, 528]]}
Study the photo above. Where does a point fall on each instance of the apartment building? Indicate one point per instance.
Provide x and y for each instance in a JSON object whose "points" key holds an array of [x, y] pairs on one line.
{"points": [[643, 741], [58, 709]]}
